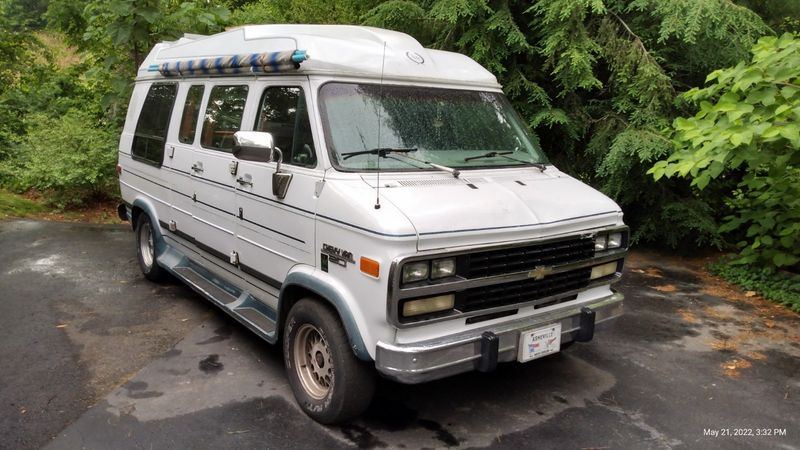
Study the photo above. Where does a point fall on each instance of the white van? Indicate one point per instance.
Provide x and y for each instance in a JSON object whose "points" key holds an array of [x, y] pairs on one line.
{"points": [[369, 203]]}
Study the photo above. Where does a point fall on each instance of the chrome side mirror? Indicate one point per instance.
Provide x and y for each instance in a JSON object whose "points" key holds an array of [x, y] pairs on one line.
{"points": [[280, 180], [253, 146]]}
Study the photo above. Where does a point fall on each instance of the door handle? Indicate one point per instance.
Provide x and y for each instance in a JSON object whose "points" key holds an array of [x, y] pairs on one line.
{"points": [[197, 167], [245, 180]]}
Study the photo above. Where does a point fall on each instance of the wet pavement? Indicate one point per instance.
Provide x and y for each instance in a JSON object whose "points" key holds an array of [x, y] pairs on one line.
{"points": [[139, 365]]}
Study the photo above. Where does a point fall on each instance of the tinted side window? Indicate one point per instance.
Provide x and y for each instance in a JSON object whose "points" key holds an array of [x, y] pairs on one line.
{"points": [[151, 130], [223, 116], [283, 114], [191, 110]]}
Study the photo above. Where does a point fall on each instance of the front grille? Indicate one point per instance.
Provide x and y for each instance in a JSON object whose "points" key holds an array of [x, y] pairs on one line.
{"points": [[519, 259], [521, 291]]}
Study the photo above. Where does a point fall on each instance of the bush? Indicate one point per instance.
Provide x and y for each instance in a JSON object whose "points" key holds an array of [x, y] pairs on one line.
{"points": [[748, 123], [70, 159], [778, 286]]}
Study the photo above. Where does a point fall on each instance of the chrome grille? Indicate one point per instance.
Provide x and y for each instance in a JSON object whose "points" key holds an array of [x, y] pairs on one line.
{"points": [[521, 291]]}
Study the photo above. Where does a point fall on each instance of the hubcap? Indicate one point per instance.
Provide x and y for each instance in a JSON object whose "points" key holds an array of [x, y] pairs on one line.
{"points": [[312, 361], [146, 245]]}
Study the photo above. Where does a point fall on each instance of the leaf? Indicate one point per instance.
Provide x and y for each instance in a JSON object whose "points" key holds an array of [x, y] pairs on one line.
{"points": [[765, 96], [702, 181], [791, 132], [120, 8], [781, 109], [148, 14], [781, 259]]}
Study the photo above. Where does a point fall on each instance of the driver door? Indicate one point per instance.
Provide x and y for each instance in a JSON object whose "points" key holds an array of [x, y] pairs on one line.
{"points": [[275, 233]]}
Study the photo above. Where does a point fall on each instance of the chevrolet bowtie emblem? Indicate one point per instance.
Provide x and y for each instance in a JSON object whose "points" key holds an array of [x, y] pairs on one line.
{"points": [[539, 272]]}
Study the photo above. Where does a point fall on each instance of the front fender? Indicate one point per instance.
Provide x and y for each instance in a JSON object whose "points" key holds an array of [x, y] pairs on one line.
{"points": [[334, 292]]}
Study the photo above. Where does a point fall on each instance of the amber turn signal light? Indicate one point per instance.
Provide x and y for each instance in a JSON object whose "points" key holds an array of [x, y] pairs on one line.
{"points": [[370, 267]]}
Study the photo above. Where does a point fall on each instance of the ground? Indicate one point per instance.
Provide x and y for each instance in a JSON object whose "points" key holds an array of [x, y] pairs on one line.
{"points": [[94, 356], [35, 206]]}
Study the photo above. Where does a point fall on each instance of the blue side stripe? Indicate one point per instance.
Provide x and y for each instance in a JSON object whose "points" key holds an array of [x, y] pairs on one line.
{"points": [[235, 64], [273, 61]]}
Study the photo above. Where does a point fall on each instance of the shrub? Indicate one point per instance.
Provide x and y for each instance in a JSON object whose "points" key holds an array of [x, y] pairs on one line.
{"points": [[779, 286], [748, 124], [70, 159]]}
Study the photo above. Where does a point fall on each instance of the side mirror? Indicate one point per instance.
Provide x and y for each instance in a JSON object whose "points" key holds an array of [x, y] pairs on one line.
{"points": [[253, 146], [280, 180]]}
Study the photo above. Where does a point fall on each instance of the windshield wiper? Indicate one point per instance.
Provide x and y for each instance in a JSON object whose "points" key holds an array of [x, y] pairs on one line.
{"points": [[450, 170], [380, 151], [540, 166], [384, 152]]}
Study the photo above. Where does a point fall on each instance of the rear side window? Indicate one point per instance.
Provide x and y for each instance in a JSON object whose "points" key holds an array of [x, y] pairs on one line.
{"points": [[283, 114], [191, 110], [151, 130], [223, 116]]}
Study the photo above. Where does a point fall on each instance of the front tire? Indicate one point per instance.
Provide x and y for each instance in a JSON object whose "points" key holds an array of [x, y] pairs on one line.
{"points": [[330, 384], [146, 249]]}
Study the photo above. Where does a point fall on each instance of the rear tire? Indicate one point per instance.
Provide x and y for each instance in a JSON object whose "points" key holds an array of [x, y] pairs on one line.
{"points": [[330, 384], [146, 249]]}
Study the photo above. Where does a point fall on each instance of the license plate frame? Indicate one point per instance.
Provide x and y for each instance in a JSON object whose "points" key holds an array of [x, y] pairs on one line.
{"points": [[539, 342]]}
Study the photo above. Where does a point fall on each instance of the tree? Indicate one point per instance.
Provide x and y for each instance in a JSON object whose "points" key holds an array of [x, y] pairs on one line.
{"points": [[597, 79], [117, 35], [749, 123]]}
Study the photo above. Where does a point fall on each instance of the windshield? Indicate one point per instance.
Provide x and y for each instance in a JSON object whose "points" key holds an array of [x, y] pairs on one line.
{"points": [[454, 128]]}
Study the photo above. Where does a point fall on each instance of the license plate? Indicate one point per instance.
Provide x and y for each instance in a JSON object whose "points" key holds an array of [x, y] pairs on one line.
{"points": [[540, 342]]}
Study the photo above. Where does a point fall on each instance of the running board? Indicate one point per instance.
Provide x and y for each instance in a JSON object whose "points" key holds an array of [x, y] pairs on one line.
{"points": [[208, 288], [237, 302]]}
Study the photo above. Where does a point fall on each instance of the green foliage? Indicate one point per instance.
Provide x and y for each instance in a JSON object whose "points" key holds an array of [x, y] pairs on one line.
{"points": [[749, 121], [117, 35], [400, 15], [781, 287], [301, 11], [70, 158]]}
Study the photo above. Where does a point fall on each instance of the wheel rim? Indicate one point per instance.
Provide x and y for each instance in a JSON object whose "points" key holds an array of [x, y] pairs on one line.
{"points": [[312, 361], [146, 245]]}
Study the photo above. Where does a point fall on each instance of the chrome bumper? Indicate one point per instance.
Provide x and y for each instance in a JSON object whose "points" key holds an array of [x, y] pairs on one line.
{"points": [[439, 358]]}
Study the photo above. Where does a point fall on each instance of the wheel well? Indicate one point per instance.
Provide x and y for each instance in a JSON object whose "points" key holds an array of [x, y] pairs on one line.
{"points": [[135, 212], [291, 295]]}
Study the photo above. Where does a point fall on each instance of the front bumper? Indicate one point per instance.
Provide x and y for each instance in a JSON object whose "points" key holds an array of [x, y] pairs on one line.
{"points": [[482, 348]]}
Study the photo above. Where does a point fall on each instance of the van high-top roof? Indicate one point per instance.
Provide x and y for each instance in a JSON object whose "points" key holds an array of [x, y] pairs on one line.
{"points": [[331, 50]]}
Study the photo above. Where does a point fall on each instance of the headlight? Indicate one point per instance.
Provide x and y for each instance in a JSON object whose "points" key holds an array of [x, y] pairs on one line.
{"points": [[428, 305], [609, 241], [600, 242], [415, 271], [614, 240], [445, 267]]}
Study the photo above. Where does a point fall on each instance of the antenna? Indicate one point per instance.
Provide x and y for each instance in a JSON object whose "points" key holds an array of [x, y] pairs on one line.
{"points": [[380, 125]]}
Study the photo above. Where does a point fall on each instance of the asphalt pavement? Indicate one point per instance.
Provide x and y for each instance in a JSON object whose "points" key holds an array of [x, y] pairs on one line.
{"points": [[93, 356]]}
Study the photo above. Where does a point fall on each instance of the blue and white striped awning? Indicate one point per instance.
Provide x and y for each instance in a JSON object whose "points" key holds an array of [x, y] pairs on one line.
{"points": [[233, 65]]}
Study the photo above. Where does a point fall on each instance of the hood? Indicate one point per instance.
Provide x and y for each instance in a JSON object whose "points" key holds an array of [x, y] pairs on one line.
{"points": [[495, 206]]}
